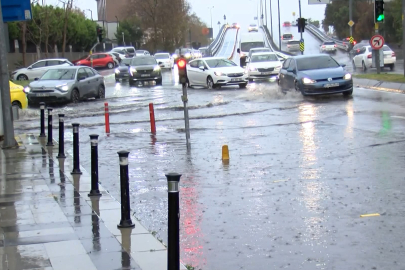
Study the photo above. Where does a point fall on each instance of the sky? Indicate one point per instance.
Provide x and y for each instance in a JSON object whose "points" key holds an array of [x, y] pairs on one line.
{"points": [[236, 11]]}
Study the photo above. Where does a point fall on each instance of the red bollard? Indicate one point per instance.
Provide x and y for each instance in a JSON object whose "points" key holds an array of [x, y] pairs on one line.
{"points": [[107, 118], [152, 118]]}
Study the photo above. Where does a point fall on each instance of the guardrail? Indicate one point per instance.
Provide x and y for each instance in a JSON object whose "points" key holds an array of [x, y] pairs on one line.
{"points": [[234, 45], [323, 37], [215, 45], [270, 41]]}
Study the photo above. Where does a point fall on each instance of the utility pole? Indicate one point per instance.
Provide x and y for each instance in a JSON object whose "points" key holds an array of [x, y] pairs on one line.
{"points": [[377, 53], [279, 26], [8, 127], [302, 39], [265, 10], [351, 16], [271, 21], [403, 32]]}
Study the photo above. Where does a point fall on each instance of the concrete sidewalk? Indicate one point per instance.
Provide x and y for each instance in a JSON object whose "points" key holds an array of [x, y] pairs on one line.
{"points": [[47, 221], [379, 85]]}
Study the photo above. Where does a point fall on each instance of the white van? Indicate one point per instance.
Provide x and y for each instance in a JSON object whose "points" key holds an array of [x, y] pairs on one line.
{"points": [[249, 41]]}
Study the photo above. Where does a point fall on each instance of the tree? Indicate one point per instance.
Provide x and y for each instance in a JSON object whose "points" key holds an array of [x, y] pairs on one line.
{"points": [[131, 27]]}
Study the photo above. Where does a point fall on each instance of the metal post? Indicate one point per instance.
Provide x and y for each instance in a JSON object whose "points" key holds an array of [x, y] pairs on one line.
{"points": [[126, 221], [265, 10], [279, 26], [76, 158], [403, 32], [61, 153], [351, 15], [302, 40], [271, 20], [8, 126], [42, 107], [50, 139], [173, 223], [186, 119], [377, 54], [94, 166]]}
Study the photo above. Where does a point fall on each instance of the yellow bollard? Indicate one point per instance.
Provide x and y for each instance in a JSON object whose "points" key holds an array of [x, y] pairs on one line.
{"points": [[225, 152]]}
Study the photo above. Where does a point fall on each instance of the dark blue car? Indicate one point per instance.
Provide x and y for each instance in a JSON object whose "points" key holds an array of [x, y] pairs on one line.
{"points": [[122, 71], [315, 75]]}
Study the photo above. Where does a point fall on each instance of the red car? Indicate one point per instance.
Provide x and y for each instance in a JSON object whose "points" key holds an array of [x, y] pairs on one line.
{"points": [[286, 24], [99, 60]]}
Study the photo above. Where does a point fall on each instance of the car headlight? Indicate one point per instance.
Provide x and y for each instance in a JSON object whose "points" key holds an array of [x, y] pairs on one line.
{"points": [[27, 89], [64, 87], [156, 68], [218, 73], [117, 71], [188, 55], [132, 71], [308, 81], [348, 76], [174, 55], [252, 69]]}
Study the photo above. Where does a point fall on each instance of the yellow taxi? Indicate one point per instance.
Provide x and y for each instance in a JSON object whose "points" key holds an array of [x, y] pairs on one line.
{"points": [[18, 97]]}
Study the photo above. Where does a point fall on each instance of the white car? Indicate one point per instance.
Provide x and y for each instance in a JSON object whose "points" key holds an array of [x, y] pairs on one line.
{"points": [[363, 59], [164, 60], [253, 27], [116, 61], [122, 53], [327, 46], [37, 69], [263, 66], [214, 72]]}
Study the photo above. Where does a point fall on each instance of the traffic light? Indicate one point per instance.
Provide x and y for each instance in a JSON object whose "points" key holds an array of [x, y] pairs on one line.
{"points": [[181, 65], [100, 34], [379, 11], [302, 22]]}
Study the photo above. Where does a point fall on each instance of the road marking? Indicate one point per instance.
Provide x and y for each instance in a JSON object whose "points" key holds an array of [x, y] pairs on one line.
{"points": [[277, 181], [370, 215], [397, 116]]}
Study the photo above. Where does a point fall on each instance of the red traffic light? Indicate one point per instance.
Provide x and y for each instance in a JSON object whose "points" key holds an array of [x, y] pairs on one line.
{"points": [[181, 63]]}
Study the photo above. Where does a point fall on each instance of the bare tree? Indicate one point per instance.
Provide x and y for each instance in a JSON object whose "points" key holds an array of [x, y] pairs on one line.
{"points": [[68, 7]]}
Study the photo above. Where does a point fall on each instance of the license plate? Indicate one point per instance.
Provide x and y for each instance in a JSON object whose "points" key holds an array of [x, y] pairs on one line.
{"points": [[235, 80], [331, 85], [145, 75], [386, 56], [42, 95], [266, 73]]}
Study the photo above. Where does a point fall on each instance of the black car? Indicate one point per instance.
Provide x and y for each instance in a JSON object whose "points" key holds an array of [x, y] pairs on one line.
{"points": [[122, 71], [144, 68], [315, 75]]}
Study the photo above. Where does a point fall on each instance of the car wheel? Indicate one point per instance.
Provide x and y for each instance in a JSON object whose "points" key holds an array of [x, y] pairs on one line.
{"points": [[22, 77], [101, 92], [110, 65], [392, 67], [297, 88], [210, 83], [364, 66], [159, 81], [348, 93], [75, 96], [242, 85], [16, 104], [354, 66]]}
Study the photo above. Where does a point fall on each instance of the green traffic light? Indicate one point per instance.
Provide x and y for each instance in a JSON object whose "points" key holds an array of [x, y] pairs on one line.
{"points": [[380, 18]]}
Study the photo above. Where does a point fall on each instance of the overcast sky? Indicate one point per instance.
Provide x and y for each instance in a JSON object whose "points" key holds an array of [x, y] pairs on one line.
{"points": [[239, 11]]}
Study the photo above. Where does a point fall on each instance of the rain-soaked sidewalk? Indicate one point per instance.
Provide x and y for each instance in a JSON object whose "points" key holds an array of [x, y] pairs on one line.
{"points": [[47, 220]]}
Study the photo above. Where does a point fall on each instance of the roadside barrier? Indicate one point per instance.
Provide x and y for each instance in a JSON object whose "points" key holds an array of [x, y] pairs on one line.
{"points": [[50, 139], [94, 166], [225, 152], [76, 157], [107, 118], [152, 118], [126, 221], [173, 223], [42, 108], [61, 153]]}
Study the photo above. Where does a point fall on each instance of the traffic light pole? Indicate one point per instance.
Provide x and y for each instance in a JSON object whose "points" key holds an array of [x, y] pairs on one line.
{"points": [[403, 32], [351, 16], [279, 26], [302, 39], [186, 119], [377, 53]]}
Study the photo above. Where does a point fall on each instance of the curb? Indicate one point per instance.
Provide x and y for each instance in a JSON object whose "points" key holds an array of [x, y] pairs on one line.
{"points": [[380, 85]]}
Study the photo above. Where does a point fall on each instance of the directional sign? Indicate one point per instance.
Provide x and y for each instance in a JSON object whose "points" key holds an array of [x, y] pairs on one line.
{"points": [[350, 23], [302, 45], [16, 10], [377, 42], [351, 40], [315, 2]]}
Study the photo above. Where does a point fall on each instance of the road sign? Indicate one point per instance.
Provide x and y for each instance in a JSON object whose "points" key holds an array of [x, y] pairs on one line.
{"points": [[377, 42], [302, 46], [16, 10], [351, 40], [317, 2], [350, 23]]}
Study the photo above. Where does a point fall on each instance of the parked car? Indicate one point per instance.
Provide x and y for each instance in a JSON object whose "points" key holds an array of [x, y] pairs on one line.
{"points": [[18, 97], [144, 68], [263, 65], [122, 71], [164, 60], [328, 46], [66, 84], [37, 69], [315, 75], [363, 59], [99, 60], [214, 72]]}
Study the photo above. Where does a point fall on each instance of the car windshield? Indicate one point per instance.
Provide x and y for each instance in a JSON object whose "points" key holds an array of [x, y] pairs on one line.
{"points": [[162, 56], [143, 61], [217, 63], [130, 50], [386, 48], [264, 58], [59, 74], [126, 61], [246, 46], [319, 62], [287, 36]]}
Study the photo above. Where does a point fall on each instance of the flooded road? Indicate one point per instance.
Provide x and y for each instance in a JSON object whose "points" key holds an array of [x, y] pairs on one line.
{"points": [[301, 172]]}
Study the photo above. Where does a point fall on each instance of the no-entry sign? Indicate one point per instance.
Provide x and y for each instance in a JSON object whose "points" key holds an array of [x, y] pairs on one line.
{"points": [[377, 42]]}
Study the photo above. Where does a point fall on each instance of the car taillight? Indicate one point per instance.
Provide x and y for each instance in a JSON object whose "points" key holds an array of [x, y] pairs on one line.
{"points": [[335, 46], [288, 46], [323, 46], [282, 37], [369, 56], [292, 37], [393, 54]]}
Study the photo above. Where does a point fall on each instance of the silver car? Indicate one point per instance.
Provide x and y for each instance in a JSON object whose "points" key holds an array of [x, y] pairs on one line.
{"points": [[37, 69], [66, 84]]}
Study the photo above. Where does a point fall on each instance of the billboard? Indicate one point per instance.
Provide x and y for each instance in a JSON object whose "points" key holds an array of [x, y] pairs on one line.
{"points": [[16, 10]]}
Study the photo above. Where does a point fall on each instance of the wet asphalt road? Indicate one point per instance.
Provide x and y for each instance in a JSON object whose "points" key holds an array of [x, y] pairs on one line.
{"points": [[301, 172]]}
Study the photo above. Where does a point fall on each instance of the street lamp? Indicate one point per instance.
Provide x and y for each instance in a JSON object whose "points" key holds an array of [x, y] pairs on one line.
{"points": [[210, 8], [91, 12]]}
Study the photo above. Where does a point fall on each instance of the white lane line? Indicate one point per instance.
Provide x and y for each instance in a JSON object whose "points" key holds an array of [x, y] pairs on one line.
{"points": [[397, 116]]}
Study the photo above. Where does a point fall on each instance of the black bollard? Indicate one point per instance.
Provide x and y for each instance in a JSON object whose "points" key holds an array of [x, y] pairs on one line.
{"points": [[50, 139], [126, 221], [173, 224], [42, 107], [94, 166], [61, 153], [76, 161]]}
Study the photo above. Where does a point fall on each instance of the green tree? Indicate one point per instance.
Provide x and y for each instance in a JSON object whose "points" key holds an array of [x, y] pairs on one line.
{"points": [[131, 27]]}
